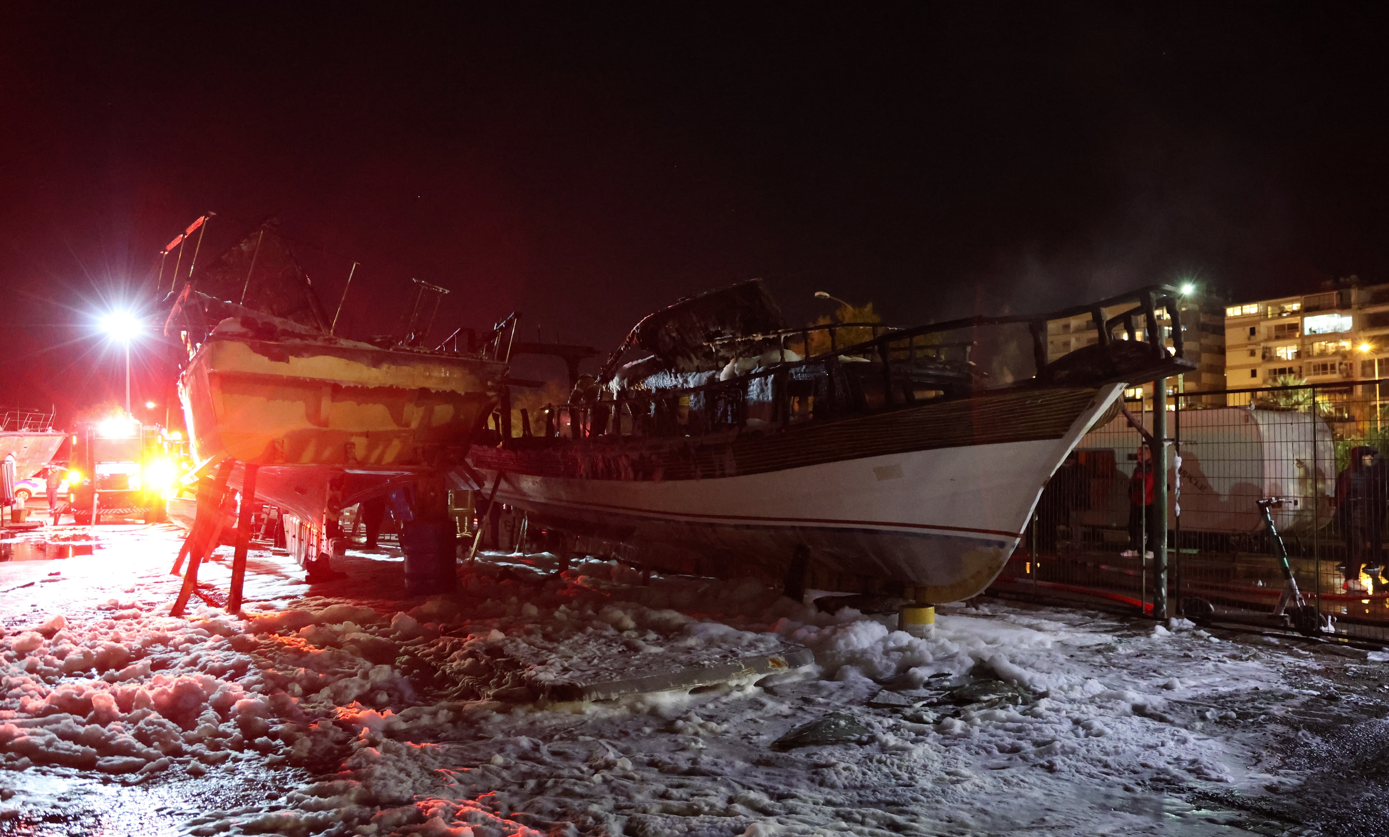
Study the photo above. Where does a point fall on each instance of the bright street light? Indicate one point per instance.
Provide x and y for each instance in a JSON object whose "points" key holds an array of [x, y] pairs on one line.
{"points": [[1188, 288], [123, 327], [150, 405]]}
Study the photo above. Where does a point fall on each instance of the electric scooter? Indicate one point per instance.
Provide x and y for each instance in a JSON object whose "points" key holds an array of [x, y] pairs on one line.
{"points": [[1292, 608]]}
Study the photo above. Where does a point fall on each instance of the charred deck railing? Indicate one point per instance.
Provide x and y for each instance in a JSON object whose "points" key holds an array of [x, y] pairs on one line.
{"points": [[837, 369], [494, 345]]}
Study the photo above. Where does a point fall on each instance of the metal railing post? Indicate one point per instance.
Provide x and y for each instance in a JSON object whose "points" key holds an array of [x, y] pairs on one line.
{"points": [[1316, 499], [1160, 498], [1179, 567]]}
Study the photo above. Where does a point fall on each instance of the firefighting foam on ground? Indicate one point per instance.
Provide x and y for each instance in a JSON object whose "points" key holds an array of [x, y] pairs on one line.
{"points": [[347, 707]]}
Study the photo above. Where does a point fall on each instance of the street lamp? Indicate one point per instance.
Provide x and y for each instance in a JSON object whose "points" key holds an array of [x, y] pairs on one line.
{"points": [[1188, 288], [123, 327], [824, 295]]}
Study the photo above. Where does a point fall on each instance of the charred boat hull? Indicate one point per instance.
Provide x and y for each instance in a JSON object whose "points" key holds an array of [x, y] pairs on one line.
{"points": [[311, 403], [932, 496], [310, 411]]}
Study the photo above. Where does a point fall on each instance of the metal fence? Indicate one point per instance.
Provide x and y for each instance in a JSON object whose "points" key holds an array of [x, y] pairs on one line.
{"points": [[1090, 541]]}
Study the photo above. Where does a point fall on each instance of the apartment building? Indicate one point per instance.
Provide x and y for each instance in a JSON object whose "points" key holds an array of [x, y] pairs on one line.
{"points": [[1336, 336], [1203, 340]]}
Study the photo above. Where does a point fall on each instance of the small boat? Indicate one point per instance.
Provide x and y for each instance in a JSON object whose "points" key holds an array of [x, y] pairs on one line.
{"points": [[718, 441], [326, 421], [28, 438]]}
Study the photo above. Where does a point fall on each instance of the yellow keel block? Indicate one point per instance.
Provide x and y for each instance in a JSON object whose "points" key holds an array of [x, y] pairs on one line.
{"points": [[919, 620]]}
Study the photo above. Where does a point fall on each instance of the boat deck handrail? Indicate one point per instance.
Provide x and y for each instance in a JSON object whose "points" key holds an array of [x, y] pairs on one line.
{"points": [[26, 421]]}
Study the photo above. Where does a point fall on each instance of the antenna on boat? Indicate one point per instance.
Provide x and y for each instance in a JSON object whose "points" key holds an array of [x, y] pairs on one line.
{"points": [[159, 280], [254, 253], [201, 224], [514, 324], [334, 327]]}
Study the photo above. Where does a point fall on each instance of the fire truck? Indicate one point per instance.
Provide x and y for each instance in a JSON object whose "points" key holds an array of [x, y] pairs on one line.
{"points": [[123, 469]]}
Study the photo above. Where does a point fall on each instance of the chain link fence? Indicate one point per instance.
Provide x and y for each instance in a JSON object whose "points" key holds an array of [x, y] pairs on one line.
{"points": [[1299, 450]]}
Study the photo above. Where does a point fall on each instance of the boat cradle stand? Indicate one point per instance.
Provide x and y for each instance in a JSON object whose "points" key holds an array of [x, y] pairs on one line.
{"points": [[917, 617]]}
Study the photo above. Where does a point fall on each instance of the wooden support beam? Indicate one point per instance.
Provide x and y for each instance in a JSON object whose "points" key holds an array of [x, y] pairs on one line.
{"points": [[202, 522], [183, 550], [211, 510], [243, 536]]}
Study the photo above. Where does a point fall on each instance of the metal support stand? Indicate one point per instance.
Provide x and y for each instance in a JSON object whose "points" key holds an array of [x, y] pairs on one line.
{"points": [[243, 537], [917, 618], [427, 536], [207, 522], [477, 538], [793, 586]]}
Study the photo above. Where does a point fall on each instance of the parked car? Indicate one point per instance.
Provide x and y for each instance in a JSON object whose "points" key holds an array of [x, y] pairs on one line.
{"points": [[36, 486]]}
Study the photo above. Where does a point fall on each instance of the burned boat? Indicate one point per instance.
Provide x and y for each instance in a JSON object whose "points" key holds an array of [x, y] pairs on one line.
{"points": [[322, 422], [717, 440]]}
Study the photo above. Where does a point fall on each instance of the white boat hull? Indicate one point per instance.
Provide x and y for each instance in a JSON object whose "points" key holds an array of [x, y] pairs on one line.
{"points": [[31, 450], [943, 520]]}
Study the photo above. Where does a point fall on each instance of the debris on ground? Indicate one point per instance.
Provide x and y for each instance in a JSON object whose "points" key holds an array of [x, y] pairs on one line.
{"points": [[834, 728]]}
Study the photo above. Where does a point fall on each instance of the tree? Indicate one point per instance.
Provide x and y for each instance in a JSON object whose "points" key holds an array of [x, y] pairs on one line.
{"points": [[845, 336], [1292, 393]]}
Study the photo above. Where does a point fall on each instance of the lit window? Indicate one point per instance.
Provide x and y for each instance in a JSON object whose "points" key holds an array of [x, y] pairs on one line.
{"points": [[1330, 347], [1327, 324]]}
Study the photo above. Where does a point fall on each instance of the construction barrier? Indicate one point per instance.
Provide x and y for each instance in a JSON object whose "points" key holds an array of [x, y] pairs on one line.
{"points": [[1090, 542]]}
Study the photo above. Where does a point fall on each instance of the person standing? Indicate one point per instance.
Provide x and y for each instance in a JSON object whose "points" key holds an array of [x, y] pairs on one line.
{"points": [[1064, 493], [1142, 525], [373, 513], [53, 480], [1360, 512]]}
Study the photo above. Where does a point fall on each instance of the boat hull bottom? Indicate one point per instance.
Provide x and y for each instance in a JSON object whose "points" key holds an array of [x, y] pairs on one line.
{"points": [[858, 559]]}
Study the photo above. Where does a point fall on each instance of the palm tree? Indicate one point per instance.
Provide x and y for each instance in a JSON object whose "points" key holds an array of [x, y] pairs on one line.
{"points": [[1292, 393]]}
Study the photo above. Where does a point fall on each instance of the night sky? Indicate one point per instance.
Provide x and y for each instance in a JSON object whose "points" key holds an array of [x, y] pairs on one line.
{"points": [[586, 164]]}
